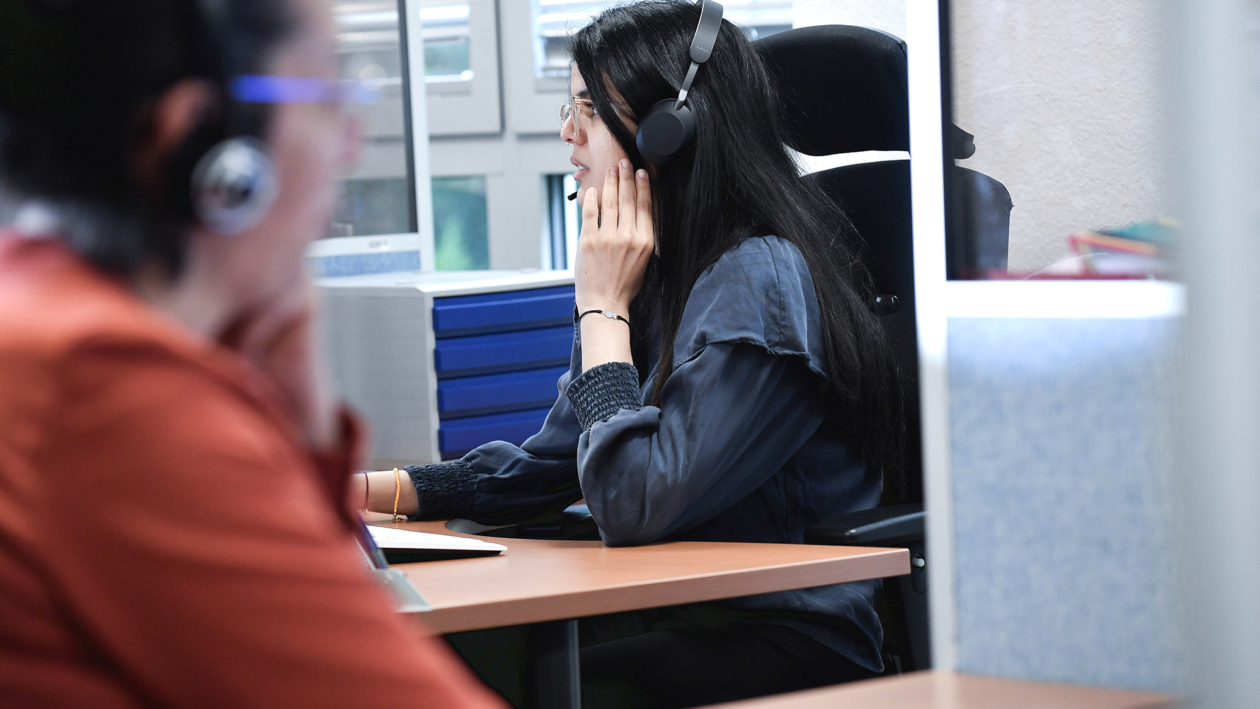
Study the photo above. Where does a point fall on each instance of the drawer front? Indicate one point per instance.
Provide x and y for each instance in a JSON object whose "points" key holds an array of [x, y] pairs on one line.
{"points": [[503, 311], [458, 436], [503, 352], [498, 393]]}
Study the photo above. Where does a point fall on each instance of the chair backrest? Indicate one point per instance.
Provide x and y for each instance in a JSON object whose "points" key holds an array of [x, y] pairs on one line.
{"points": [[876, 198], [979, 225], [845, 90]]}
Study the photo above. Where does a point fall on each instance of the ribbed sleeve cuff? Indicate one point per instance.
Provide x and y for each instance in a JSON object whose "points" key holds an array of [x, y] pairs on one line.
{"points": [[602, 391], [444, 490]]}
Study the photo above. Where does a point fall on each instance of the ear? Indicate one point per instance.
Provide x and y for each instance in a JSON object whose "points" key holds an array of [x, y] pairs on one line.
{"points": [[174, 117]]}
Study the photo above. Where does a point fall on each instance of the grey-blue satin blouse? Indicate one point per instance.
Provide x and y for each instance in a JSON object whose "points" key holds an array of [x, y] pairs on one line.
{"points": [[735, 452]]}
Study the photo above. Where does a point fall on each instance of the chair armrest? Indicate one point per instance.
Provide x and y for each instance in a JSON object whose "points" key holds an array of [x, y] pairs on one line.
{"points": [[896, 525]]}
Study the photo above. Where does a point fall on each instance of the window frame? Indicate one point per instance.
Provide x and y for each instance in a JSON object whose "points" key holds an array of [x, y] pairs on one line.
{"points": [[419, 238], [472, 107], [535, 101]]}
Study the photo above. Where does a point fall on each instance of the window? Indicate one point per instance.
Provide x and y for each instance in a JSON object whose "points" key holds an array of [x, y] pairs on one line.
{"points": [[376, 196], [760, 18], [447, 41], [461, 65], [562, 219], [461, 235], [556, 20]]}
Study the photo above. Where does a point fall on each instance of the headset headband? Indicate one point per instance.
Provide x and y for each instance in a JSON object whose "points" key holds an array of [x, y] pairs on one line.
{"points": [[701, 44]]}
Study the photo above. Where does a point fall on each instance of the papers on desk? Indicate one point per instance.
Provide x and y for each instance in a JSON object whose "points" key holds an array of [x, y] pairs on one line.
{"points": [[404, 547]]}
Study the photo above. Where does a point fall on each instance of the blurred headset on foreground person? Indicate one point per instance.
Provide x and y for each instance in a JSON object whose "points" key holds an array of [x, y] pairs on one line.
{"points": [[729, 380], [173, 525]]}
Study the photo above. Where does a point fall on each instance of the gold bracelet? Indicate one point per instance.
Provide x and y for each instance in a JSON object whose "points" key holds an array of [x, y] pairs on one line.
{"points": [[397, 494]]}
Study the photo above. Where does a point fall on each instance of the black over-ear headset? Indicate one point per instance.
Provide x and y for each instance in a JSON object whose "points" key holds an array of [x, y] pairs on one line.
{"points": [[223, 173], [669, 125]]}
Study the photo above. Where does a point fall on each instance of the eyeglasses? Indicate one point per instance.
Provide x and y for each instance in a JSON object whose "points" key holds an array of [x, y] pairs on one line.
{"points": [[301, 89], [570, 110]]}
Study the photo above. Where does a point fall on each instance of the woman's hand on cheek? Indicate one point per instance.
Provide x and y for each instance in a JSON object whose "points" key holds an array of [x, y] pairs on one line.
{"points": [[616, 241]]}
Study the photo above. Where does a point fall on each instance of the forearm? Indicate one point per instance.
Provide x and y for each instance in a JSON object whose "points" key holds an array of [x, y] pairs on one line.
{"points": [[495, 483], [376, 491], [604, 340]]}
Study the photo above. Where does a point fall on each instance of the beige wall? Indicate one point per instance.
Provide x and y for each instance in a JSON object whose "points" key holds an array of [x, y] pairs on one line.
{"points": [[1064, 100]]}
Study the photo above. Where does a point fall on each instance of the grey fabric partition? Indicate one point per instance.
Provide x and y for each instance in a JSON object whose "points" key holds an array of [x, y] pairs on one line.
{"points": [[1063, 540]]}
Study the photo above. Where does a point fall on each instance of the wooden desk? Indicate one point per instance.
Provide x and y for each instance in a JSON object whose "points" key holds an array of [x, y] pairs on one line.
{"points": [[947, 690], [552, 583], [536, 581]]}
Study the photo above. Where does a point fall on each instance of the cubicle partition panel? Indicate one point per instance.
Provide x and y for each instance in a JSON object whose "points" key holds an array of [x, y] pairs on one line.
{"points": [[440, 363], [1061, 407]]}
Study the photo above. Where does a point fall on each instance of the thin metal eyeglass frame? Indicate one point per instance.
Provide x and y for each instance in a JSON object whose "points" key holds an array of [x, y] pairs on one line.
{"points": [[569, 109]]}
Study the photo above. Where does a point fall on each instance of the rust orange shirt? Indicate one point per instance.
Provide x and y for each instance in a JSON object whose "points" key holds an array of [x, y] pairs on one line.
{"points": [[165, 538]]}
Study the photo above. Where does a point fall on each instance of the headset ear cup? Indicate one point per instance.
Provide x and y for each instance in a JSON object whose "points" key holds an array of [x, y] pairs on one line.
{"points": [[665, 131], [233, 185]]}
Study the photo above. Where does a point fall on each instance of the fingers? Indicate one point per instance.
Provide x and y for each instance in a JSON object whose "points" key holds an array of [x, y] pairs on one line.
{"points": [[608, 206], [643, 205], [625, 197], [590, 212]]}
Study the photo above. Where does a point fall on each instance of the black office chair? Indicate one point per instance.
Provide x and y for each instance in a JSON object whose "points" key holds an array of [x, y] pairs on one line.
{"points": [[845, 91]]}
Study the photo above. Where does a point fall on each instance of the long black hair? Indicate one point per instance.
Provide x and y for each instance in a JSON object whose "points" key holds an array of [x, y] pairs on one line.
{"points": [[737, 180]]}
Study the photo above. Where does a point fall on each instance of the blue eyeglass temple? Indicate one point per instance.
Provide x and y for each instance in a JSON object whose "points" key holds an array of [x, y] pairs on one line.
{"points": [[293, 89]]}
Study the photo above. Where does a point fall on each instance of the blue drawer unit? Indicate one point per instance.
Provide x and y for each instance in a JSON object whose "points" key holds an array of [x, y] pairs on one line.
{"points": [[458, 436], [503, 311], [498, 393], [497, 357], [503, 352], [440, 363]]}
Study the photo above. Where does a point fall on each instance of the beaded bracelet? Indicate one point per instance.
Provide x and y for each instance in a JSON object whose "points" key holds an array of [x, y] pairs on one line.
{"points": [[397, 495]]}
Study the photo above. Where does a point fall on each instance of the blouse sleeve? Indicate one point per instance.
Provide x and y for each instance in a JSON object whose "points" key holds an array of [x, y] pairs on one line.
{"points": [[500, 483], [729, 418]]}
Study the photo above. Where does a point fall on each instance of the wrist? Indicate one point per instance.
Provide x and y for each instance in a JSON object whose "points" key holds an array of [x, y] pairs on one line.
{"points": [[597, 313], [585, 304], [382, 489], [604, 340]]}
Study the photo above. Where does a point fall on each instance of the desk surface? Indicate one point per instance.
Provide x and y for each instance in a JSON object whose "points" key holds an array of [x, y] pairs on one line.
{"points": [[537, 581], [946, 690]]}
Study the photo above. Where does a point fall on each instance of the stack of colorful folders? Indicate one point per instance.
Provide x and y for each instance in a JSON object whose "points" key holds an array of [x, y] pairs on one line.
{"points": [[1140, 249]]}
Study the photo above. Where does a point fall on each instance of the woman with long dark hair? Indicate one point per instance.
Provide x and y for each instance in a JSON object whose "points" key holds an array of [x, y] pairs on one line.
{"points": [[729, 380]]}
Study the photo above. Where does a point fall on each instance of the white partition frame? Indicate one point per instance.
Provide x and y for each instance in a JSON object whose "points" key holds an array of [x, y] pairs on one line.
{"points": [[927, 187], [418, 111], [1216, 96]]}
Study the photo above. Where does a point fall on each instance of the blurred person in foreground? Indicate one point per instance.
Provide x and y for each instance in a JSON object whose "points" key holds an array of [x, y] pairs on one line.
{"points": [[174, 528]]}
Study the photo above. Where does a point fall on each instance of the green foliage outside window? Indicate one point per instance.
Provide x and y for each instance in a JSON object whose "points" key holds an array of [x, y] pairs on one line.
{"points": [[460, 231]]}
